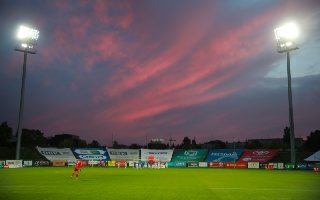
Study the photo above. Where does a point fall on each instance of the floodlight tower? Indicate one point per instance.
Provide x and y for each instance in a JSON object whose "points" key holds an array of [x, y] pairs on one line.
{"points": [[285, 37], [27, 40]]}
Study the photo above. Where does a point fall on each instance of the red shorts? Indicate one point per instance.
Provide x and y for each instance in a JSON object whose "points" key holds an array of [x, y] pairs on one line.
{"points": [[76, 169]]}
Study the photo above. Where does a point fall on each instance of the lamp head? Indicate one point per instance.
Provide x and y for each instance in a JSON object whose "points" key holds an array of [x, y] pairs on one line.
{"points": [[27, 39], [285, 37]]}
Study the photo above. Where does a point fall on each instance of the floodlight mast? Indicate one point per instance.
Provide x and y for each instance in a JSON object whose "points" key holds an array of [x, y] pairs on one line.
{"points": [[285, 37], [27, 38]]}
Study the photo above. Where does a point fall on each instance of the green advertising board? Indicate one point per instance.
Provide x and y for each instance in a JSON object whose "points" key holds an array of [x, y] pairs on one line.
{"points": [[197, 155]]}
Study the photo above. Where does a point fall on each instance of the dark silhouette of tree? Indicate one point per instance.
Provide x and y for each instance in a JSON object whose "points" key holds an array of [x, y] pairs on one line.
{"points": [[157, 145], [215, 144], [286, 136], [135, 146], [116, 145], [32, 138], [313, 141], [5, 134], [94, 144], [253, 144], [186, 143]]}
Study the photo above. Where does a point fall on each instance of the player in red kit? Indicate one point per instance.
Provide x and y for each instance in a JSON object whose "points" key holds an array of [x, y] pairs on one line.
{"points": [[77, 168]]}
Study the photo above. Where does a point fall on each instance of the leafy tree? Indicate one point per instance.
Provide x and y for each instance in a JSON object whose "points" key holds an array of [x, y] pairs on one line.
{"points": [[186, 143], [286, 136], [94, 144], [32, 138], [135, 146], [216, 144], [5, 134], [253, 144], [313, 141]]}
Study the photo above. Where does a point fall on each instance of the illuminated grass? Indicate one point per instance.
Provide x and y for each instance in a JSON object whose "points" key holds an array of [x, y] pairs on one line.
{"points": [[113, 183]]}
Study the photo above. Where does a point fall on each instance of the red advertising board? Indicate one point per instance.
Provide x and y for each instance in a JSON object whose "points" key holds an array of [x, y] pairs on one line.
{"points": [[121, 163], [236, 164], [216, 164], [84, 163], [258, 155]]}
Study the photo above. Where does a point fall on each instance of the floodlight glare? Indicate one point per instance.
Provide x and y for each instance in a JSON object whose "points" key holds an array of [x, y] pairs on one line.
{"points": [[285, 36], [288, 31], [26, 33]]}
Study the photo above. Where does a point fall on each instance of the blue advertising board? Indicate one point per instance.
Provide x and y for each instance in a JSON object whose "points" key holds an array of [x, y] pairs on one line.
{"points": [[224, 155], [91, 154]]}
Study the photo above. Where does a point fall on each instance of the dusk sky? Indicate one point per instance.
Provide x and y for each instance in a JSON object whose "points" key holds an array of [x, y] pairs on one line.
{"points": [[207, 69]]}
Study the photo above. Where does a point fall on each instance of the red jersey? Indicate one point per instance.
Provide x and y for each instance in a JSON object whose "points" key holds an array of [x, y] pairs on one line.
{"points": [[78, 164]]}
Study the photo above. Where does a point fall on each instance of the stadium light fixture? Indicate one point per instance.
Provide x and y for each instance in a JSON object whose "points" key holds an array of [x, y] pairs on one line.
{"points": [[285, 37], [27, 41]]}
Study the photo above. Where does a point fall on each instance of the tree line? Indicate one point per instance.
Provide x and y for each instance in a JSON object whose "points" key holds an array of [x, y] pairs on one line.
{"points": [[31, 138]]}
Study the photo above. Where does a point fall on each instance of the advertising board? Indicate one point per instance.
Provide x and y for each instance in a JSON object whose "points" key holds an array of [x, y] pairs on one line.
{"points": [[91, 154], [193, 164], [27, 163], [121, 163], [258, 155], [40, 163], [159, 155], [203, 164], [177, 164], [112, 163], [56, 153], [197, 155], [14, 163], [216, 164], [123, 154], [58, 163], [236, 164], [224, 155], [253, 165]]}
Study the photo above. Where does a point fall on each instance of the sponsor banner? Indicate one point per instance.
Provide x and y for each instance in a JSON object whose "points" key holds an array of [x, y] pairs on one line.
{"points": [[236, 165], [280, 166], [177, 164], [289, 166], [253, 165], [197, 155], [39, 163], [192, 164], [71, 163], [91, 154], [27, 163], [121, 163], [112, 163], [273, 165], [14, 163], [159, 155], [123, 154], [56, 153], [58, 163], [203, 164], [302, 166], [2, 163], [131, 164], [224, 155], [216, 164], [258, 155], [84, 163]]}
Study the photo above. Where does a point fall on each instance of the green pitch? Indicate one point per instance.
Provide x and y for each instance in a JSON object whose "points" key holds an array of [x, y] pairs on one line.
{"points": [[112, 183]]}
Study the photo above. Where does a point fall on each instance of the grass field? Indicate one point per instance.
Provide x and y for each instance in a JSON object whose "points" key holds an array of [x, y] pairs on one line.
{"points": [[112, 183]]}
